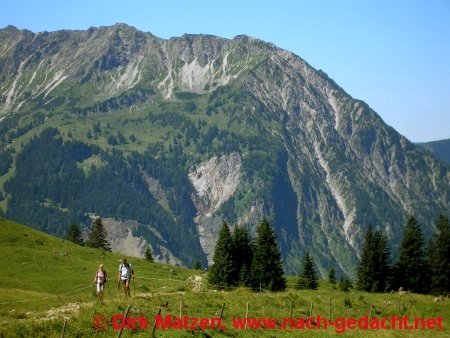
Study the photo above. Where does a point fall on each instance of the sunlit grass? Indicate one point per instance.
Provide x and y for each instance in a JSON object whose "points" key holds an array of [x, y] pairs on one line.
{"points": [[41, 288]]}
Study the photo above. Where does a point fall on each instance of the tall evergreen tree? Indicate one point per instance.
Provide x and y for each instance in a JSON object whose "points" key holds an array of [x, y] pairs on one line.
{"points": [[267, 268], [364, 273], [411, 269], [74, 235], [223, 270], [381, 262], [332, 276], [374, 269], [308, 276], [439, 256], [97, 236], [242, 255]]}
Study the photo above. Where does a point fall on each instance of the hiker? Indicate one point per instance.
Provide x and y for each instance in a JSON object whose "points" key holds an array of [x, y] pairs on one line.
{"points": [[125, 275], [100, 279]]}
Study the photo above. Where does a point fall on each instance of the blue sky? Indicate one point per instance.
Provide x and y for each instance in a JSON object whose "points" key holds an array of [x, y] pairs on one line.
{"points": [[395, 55]]}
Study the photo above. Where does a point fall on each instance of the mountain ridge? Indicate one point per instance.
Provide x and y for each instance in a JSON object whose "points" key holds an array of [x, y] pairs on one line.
{"points": [[320, 164], [440, 148]]}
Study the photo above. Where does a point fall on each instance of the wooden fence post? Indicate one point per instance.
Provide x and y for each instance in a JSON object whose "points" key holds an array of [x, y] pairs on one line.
{"points": [[221, 311], [246, 317], [154, 325], [126, 314]]}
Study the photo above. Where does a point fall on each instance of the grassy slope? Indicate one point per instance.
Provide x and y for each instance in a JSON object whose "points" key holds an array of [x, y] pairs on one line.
{"points": [[39, 288]]}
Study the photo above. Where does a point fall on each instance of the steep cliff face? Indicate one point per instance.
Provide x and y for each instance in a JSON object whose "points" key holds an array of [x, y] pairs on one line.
{"points": [[225, 130], [215, 181]]}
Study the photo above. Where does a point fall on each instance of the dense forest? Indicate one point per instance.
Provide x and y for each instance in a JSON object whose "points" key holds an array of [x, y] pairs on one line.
{"points": [[65, 189]]}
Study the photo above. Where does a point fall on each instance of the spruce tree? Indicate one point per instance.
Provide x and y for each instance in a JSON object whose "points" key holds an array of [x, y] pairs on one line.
{"points": [[148, 254], [381, 262], [242, 255], [74, 235], [332, 276], [374, 269], [97, 236], [267, 268], [308, 277], [364, 273], [439, 256], [223, 269], [411, 269]]}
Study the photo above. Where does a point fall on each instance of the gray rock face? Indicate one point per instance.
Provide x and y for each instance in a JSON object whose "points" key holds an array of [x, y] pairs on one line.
{"points": [[334, 166], [215, 181]]}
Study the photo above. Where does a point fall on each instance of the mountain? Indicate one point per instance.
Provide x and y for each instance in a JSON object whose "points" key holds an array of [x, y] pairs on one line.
{"points": [[441, 149], [165, 139]]}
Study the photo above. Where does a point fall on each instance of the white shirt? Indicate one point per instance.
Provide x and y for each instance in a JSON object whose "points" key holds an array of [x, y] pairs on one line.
{"points": [[125, 272]]}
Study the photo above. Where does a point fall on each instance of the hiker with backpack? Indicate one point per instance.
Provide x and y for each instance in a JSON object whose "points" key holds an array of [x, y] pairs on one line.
{"points": [[100, 279], [125, 275]]}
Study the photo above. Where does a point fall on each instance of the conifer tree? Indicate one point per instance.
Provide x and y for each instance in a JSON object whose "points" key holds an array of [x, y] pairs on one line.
{"points": [[364, 273], [381, 262], [374, 269], [411, 269], [439, 256], [97, 236], [267, 268], [242, 255], [74, 235], [148, 254], [223, 270], [308, 276], [332, 276]]}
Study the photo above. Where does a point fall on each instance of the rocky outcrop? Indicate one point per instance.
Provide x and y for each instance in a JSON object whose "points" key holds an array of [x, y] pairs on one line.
{"points": [[215, 181], [121, 238]]}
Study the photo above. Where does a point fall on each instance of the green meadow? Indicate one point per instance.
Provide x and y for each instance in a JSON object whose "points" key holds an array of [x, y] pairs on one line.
{"points": [[47, 293]]}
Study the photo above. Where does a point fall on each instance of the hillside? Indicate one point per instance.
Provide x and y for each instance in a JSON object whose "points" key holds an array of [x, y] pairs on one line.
{"points": [[41, 289], [166, 139], [439, 148]]}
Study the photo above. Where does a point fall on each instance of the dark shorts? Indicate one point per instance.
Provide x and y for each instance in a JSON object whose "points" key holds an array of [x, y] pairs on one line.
{"points": [[125, 281]]}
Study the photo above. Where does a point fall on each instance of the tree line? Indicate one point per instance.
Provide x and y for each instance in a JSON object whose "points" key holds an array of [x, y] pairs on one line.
{"points": [[240, 260], [256, 263], [97, 238], [420, 267]]}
